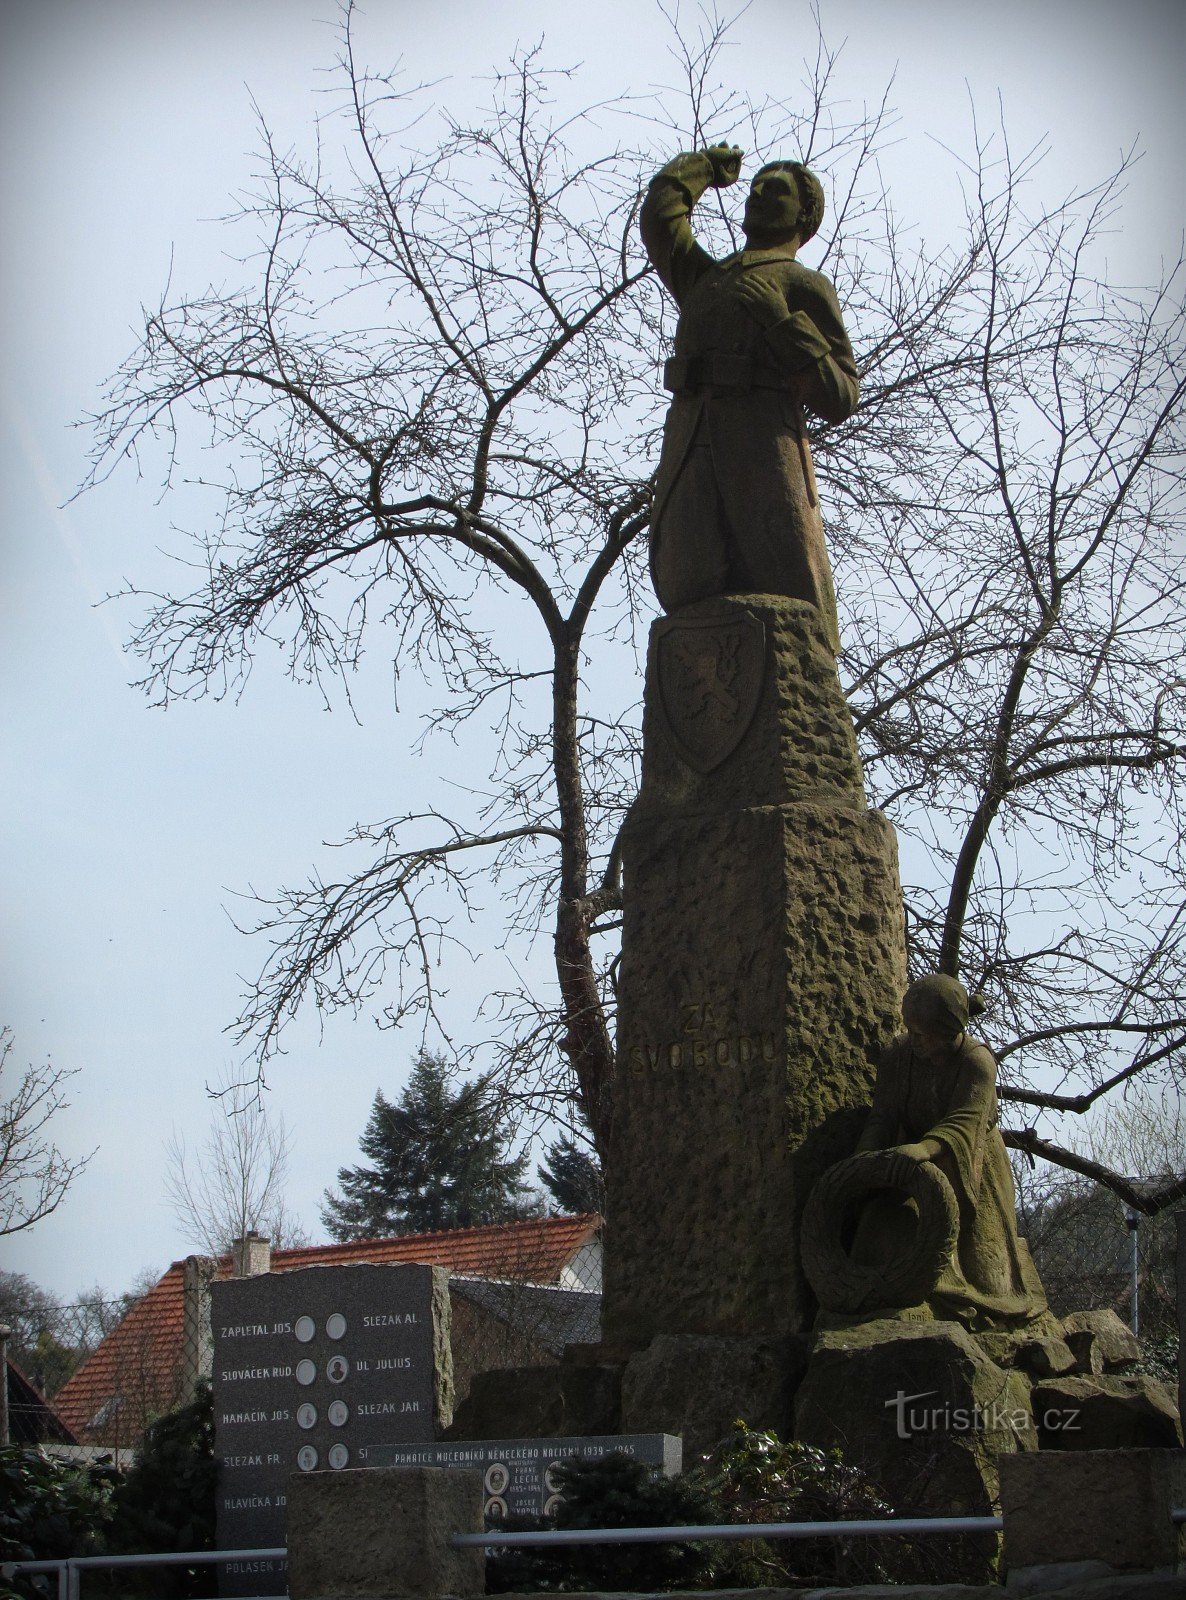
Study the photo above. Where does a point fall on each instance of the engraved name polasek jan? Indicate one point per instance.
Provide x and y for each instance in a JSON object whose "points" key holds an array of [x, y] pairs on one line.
{"points": [[709, 672]]}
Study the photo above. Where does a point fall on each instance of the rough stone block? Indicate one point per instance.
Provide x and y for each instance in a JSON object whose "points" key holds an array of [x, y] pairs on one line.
{"points": [[999, 1347], [1105, 1413], [542, 1403], [379, 1533], [1086, 1354], [699, 1385], [1099, 1340], [1044, 1358], [920, 1407], [1096, 1505]]}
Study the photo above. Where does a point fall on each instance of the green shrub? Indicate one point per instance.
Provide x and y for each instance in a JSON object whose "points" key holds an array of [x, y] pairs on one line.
{"points": [[754, 1476], [614, 1492], [166, 1502], [751, 1477], [49, 1509]]}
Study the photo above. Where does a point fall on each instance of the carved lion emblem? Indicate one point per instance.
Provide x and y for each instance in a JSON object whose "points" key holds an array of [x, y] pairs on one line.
{"points": [[710, 676]]}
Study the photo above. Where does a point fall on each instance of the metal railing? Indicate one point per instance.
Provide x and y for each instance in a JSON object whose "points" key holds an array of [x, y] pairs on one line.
{"points": [[729, 1530], [70, 1568]]}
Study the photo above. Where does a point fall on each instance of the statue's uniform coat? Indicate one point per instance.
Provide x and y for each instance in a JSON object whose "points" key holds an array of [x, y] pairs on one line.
{"points": [[735, 504]]}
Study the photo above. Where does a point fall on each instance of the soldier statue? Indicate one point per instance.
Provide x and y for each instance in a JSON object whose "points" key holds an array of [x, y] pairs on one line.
{"points": [[759, 339]]}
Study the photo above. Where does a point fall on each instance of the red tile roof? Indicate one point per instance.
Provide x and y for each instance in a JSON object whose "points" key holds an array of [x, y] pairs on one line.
{"points": [[32, 1419], [534, 1251], [137, 1372], [134, 1374]]}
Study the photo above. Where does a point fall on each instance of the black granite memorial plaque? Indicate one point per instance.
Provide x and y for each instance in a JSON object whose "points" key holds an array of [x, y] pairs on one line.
{"points": [[519, 1474], [310, 1368]]}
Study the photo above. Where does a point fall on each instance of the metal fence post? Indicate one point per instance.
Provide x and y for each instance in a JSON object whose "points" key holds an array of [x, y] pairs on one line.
{"points": [[5, 1330], [1180, 1274], [1132, 1220]]}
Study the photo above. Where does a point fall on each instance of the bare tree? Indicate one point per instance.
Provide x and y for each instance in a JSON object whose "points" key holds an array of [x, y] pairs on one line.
{"points": [[234, 1185], [34, 1174], [1091, 1244], [1017, 674], [436, 403]]}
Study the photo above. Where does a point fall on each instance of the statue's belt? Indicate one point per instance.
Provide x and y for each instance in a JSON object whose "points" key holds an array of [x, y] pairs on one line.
{"points": [[739, 374], [721, 370]]}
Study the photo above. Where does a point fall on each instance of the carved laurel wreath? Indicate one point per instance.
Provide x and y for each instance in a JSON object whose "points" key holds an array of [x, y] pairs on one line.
{"points": [[907, 1279]]}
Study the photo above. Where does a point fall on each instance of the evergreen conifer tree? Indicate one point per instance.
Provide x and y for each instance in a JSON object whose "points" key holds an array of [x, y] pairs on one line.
{"points": [[573, 1178], [437, 1159]]}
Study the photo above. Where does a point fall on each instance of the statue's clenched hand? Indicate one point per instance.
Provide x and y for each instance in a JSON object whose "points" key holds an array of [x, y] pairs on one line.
{"points": [[725, 160]]}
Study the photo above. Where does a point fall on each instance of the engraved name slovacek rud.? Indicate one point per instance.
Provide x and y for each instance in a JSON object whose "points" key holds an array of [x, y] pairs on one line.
{"points": [[710, 677]]}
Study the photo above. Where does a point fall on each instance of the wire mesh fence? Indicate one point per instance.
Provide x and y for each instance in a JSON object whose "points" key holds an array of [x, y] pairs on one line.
{"points": [[1093, 1253]]}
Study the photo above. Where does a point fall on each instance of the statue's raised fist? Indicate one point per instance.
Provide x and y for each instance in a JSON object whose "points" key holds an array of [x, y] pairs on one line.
{"points": [[725, 160]]}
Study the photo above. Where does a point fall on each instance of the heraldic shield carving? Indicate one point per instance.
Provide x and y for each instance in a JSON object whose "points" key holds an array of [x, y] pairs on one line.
{"points": [[710, 673]]}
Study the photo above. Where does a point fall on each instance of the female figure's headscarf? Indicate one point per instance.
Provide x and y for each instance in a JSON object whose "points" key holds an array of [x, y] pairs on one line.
{"points": [[940, 1005]]}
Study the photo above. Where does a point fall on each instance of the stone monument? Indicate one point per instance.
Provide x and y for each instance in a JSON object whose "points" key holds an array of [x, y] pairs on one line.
{"points": [[774, 1250], [310, 1368], [922, 1221], [935, 1346], [763, 950]]}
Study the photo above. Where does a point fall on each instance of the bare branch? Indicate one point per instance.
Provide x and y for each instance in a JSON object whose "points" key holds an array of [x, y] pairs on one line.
{"points": [[34, 1174]]}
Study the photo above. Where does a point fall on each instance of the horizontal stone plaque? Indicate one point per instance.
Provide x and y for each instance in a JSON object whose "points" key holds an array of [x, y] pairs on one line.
{"points": [[310, 1368], [518, 1475]]}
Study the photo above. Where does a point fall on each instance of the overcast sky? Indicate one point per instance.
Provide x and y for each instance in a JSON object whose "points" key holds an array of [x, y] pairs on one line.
{"points": [[125, 123]]}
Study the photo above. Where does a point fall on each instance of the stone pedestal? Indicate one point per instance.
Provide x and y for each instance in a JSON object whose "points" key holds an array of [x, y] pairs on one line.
{"points": [[1112, 1506], [762, 968], [920, 1408], [709, 1383], [379, 1533], [541, 1403]]}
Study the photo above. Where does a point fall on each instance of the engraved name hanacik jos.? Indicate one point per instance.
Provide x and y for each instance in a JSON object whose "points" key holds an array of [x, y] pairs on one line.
{"points": [[311, 1367]]}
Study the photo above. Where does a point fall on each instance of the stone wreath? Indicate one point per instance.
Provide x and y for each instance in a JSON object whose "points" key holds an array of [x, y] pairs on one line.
{"points": [[847, 1286]]}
